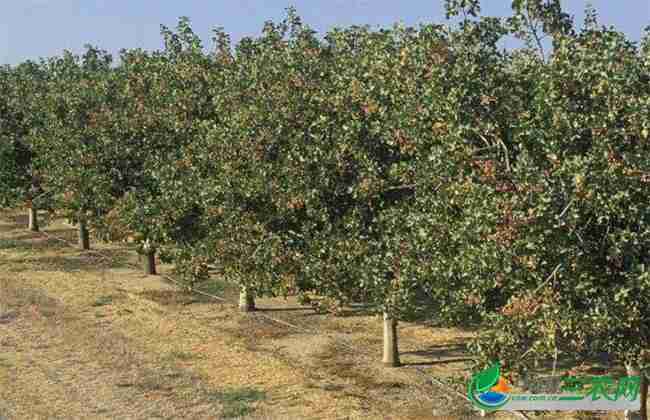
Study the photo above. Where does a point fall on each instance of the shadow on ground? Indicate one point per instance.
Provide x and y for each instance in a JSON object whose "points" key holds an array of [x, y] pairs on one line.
{"points": [[20, 220], [290, 309], [85, 262], [174, 297], [439, 354], [30, 243]]}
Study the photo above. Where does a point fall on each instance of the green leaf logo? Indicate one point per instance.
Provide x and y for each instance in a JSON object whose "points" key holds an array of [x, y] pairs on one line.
{"points": [[486, 379], [482, 392]]}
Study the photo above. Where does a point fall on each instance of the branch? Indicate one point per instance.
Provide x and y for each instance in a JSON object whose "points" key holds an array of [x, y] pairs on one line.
{"points": [[401, 187], [485, 148], [547, 279], [503, 146], [533, 31], [407, 187], [487, 143], [566, 208], [507, 154]]}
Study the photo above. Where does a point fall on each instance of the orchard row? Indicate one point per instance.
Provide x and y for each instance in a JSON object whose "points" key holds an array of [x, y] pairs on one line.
{"points": [[402, 168]]}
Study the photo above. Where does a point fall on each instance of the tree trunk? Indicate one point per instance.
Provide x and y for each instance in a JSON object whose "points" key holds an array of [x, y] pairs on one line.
{"points": [[33, 218], [643, 412], [246, 300], [150, 263], [84, 237], [391, 352]]}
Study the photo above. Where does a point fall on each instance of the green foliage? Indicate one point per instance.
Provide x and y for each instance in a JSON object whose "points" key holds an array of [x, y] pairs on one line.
{"points": [[103, 301], [20, 90], [584, 158], [71, 144]]}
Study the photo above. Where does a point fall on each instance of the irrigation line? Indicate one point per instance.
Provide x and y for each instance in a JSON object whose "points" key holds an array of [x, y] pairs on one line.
{"points": [[342, 340], [181, 285]]}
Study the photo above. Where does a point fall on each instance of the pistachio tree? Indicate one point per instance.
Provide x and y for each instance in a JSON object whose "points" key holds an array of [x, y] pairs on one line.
{"points": [[234, 167], [567, 222], [22, 86], [71, 143], [584, 146], [174, 93]]}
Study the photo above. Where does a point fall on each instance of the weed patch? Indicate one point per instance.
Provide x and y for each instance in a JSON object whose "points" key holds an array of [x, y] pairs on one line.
{"points": [[181, 355], [103, 300], [237, 402]]}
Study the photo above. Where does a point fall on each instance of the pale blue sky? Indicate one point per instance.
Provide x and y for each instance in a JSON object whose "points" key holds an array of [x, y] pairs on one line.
{"points": [[30, 29]]}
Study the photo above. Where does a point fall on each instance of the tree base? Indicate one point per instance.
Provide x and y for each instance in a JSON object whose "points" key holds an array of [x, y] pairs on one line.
{"points": [[84, 236], [390, 355], [33, 220], [150, 264], [246, 301]]}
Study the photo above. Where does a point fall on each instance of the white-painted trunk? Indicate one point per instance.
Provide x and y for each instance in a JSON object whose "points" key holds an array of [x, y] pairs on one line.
{"points": [[150, 263], [246, 300], [391, 352], [33, 218]]}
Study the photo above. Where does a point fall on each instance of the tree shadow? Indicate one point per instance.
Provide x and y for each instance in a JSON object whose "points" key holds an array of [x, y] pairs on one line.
{"points": [[438, 351], [31, 243], [62, 230], [85, 262], [68, 234], [174, 297], [27, 236], [439, 354], [358, 309], [454, 346], [20, 220], [314, 313], [292, 309], [437, 362]]}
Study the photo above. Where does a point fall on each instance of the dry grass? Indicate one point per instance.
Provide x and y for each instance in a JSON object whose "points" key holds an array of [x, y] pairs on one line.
{"points": [[85, 337]]}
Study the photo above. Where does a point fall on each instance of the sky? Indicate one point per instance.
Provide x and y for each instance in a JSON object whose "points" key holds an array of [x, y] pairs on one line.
{"points": [[30, 29]]}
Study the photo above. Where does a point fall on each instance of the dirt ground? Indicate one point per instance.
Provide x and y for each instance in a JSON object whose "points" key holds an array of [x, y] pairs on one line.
{"points": [[86, 337]]}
